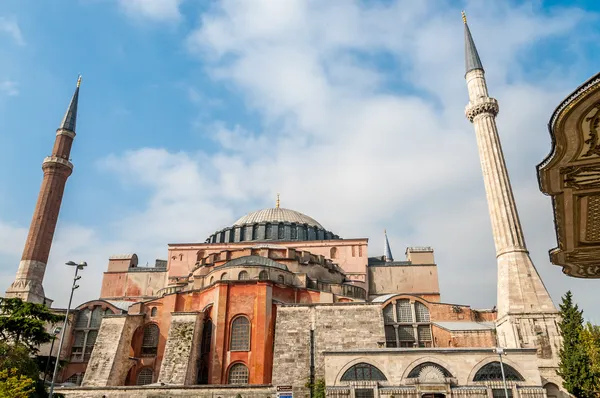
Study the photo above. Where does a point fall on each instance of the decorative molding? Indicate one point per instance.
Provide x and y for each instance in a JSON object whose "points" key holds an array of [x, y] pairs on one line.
{"points": [[56, 160], [487, 105], [581, 177]]}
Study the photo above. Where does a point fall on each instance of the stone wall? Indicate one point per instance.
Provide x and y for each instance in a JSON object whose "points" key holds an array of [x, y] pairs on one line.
{"points": [[109, 363], [170, 392], [178, 364], [336, 327]]}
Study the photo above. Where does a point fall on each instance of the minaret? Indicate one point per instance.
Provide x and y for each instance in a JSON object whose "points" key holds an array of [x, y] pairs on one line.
{"points": [[526, 315], [57, 168], [387, 251]]}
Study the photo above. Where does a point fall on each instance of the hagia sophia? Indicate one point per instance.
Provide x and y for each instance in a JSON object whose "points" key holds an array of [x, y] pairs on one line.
{"points": [[277, 302]]}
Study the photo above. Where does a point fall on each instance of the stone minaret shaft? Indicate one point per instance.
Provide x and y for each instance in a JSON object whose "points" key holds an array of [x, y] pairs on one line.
{"points": [[520, 288], [57, 168]]}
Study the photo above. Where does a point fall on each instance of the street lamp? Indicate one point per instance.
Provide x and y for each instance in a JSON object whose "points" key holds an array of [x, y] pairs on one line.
{"points": [[55, 333], [500, 352], [62, 335]]}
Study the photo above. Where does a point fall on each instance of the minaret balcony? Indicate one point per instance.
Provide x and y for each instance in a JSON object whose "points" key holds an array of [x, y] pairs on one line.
{"points": [[482, 105], [49, 160]]}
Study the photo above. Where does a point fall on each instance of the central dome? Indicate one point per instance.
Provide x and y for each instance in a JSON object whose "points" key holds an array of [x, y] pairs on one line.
{"points": [[274, 224], [277, 215]]}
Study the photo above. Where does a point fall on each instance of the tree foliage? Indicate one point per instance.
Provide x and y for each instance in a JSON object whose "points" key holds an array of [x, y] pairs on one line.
{"points": [[23, 322], [590, 339], [317, 388], [15, 385], [574, 366]]}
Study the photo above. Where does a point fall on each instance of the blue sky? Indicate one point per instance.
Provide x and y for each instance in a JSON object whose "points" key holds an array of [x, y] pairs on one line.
{"points": [[193, 113]]}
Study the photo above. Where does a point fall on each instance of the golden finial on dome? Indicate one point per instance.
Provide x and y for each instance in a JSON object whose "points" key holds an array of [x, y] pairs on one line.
{"points": [[464, 17], [277, 202], [79, 81]]}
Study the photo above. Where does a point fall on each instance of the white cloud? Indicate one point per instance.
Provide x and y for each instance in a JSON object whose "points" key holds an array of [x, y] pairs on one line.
{"points": [[9, 87], [11, 27], [156, 10], [362, 126]]}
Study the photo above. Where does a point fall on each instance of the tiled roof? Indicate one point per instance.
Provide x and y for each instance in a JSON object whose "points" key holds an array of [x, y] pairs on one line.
{"points": [[277, 214]]}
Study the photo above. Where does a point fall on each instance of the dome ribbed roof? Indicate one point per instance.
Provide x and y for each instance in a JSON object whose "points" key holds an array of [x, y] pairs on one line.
{"points": [[275, 215]]}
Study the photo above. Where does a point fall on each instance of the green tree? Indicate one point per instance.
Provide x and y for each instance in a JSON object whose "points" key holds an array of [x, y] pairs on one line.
{"points": [[574, 365], [15, 385], [23, 322], [590, 338]]}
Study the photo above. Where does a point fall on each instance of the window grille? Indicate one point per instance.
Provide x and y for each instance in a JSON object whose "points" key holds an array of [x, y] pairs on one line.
{"points": [[206, 337], [240, 334], [77, 348], [108, 312], [145, 377], [153, 311], [254, 232], [280, 232], [280, 279], [91, 338], [238, 374], [224, 276], [422, 312], [82, 319], [390, 336], [263, 275], [424, 333], [404, 311], [96, 318], [364, 393], [363, 371], [406, 333], [493, 372], [150, 340], [75, 379], [388, 314], [499, 393], [243, 276]]}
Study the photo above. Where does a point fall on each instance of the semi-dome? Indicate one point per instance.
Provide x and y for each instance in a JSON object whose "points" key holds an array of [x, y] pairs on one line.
{"points": [[273, 224], [275, 215]]}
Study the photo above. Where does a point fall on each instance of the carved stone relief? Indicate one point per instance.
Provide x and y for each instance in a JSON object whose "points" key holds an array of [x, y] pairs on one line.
{"points": [[591, 124]]}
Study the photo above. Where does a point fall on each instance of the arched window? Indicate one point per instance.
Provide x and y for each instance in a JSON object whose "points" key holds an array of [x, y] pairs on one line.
{"points": [[108, 311], [200, 255], [238, 374], [493, 372], [243, 276], [280, 279], [333, 252], [263, 275], [429, 372], [280, 232], [363, 371], [404, 330], [224, 276], [153, 311], [96, 318], [240, 334], [145, 377], [150, 340], [294, 232], [86, 327], [212, 279], [268, 231]]}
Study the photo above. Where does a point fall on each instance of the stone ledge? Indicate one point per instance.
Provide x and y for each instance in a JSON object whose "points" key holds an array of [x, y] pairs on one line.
{"points": [[445, 350]]}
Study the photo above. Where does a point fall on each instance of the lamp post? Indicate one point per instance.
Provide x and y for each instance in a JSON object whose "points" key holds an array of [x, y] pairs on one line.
{"points": [[55, 333], [62, 335], [500, 352]]}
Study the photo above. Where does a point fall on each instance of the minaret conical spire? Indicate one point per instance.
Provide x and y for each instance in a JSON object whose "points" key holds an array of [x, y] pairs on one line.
{"points": [[472, 60], [387, 251], [70, 119]]}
